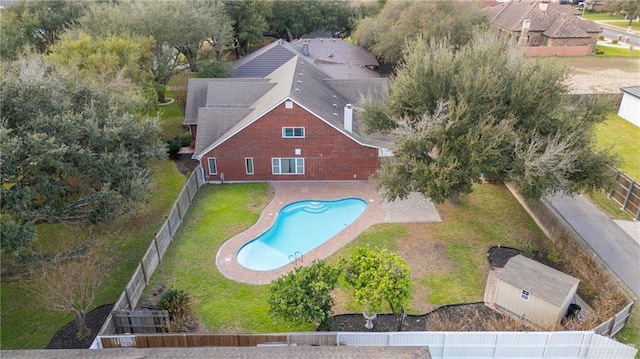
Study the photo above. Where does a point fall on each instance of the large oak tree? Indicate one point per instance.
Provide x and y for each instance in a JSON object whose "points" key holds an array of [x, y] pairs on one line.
{"points": [[73, 148], [485, 110]]}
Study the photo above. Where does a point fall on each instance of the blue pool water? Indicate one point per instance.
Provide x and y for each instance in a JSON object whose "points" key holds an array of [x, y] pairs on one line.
{"points": [[299, 228]]}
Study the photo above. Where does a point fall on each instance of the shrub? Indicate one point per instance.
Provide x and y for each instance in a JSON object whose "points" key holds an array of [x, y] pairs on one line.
{"points": [[215, 69], [614, 41], [601, 37], [173, 147], [185, 139], [178, 303]]}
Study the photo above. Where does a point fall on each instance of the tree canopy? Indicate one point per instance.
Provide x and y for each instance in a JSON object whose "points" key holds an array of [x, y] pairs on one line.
{"points": [[485, 109], [379, 275], [386, 34], [291, 19], [631, 8], [72, 148], [304, 295]]}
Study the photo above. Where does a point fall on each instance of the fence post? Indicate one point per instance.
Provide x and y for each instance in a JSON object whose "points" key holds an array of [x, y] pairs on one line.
{"points": [[613, 188], [126, 295], [155, 242], [629, 192], [638, 214], [144, 272]]}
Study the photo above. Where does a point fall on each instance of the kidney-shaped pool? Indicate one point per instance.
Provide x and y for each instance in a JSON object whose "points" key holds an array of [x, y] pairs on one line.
{"points": [[299, 228]]}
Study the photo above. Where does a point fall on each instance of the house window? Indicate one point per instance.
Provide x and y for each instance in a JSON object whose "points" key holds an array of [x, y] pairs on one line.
{"points": [[288, 105], [248, 164], [524, 295], [285, 166], [293, 132], [213, 169]]}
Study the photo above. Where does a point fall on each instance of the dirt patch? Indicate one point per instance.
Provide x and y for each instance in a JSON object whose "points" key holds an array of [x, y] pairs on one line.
{"points": [[499, 256], [601, 75]]}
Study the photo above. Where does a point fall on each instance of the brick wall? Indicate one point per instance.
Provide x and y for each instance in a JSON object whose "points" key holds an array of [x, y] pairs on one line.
{"points": [[328, 154], [584, 50]]}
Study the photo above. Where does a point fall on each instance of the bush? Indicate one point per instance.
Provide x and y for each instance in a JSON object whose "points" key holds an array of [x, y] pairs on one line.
{"points": [[599, 52], [215, 69], [173, 147], [601, 37], [614, 41], [185, 139], [178, 303]]}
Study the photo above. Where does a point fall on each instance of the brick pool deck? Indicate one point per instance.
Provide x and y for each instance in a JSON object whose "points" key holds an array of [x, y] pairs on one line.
{"points": [[415, 208]]}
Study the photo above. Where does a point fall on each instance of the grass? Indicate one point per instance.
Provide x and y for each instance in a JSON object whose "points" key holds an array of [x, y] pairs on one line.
{"points": [[171, 119], [624, 24], [219, 212], [614, 51], [622, 138], [602, 16], [608, 206]]}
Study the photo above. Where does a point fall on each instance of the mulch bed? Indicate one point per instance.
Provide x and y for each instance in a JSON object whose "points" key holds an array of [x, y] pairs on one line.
{"points": [[498, 256], [65, 338], [458, 315]]}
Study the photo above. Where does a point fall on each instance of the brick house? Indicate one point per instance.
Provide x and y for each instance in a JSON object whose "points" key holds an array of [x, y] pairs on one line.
{"points": [[546, 28], [294, 123]]}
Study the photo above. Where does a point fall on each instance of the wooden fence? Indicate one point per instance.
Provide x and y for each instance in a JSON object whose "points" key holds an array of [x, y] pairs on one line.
{"points": [[555, 227], [129, 298], [217, 340], [626, 192], [141, 321]]}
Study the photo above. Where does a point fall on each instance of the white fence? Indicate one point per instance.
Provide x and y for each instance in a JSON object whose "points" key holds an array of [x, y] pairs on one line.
{"points": [[485, 345]]}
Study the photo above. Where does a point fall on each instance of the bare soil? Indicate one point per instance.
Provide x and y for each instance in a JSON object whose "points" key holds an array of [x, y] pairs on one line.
{"points": [[601, 75]]}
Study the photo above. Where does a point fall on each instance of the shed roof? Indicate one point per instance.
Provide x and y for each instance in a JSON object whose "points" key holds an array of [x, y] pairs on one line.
{"points": [[632, 90], [538, 279], [558, 21]]}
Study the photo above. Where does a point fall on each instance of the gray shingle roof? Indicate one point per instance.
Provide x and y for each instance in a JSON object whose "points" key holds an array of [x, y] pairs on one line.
{"points": [[264, 61], [301, 352], [540, 280], [233, 107], [632, 90], [558, 21]]}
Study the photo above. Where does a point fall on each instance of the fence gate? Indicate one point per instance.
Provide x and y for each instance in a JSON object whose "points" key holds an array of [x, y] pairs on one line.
{"points": [[141, 321]]}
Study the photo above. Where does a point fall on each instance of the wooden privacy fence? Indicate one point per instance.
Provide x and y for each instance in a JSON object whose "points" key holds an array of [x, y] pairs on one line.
{"points": [[141, 321], [129, 298], [472, 345], [626, 192]]}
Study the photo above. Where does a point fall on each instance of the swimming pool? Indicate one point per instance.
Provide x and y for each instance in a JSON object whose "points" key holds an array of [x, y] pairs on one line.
{"points": [[299, 228]]}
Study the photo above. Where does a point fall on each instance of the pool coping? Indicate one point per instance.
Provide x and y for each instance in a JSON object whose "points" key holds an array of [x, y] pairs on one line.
{"points": [[413, 209]]}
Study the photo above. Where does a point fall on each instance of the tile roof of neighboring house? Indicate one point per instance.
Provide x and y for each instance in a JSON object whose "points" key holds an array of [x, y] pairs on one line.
{"points": [[538, 279], [558, 21], [632, 90], [224, 109]]}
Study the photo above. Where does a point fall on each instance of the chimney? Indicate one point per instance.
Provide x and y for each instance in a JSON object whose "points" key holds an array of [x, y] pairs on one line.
{"points": [[348, 118], [305, 47], [543, 5], [524, 34]]}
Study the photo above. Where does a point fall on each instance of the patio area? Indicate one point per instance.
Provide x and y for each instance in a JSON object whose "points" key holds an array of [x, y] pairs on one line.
{"points": [[413, 209]]}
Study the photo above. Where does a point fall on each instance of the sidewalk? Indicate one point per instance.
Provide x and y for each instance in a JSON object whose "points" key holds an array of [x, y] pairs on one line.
{"points": [[612, 244]]}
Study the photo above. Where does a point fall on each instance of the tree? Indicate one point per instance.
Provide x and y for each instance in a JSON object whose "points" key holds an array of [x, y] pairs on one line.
{"points": [[72, 149], [304, 295], [379, 275], [631, 8], [291, 19], [386, 34], [165, 23], [485, 109], [70, 285], [37, 23], [107, 56], [249, 22]]}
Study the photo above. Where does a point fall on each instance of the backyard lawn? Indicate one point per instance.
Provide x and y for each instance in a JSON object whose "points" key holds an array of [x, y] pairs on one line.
{"points": [[448, 259], [622, 137]]}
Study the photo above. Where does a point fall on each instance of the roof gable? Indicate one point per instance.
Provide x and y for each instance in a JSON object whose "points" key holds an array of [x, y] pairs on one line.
{"points": [[540, 280], [632, 90]]}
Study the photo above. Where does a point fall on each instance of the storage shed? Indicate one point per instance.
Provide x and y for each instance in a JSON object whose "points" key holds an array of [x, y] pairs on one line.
{"points": [[534, 292], [630, 105]]}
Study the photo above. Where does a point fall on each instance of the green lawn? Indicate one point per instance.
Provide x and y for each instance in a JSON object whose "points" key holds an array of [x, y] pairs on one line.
{"points": [[613, 51], [27, 325], [624, 24], [602, 16], [488, 217], [171, 119], [622, 137]]}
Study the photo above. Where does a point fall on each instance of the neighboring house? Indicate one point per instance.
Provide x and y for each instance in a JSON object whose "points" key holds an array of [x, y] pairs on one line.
{"points": [[533, 291], [545, 28], [282, 118], [630, 105]]}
